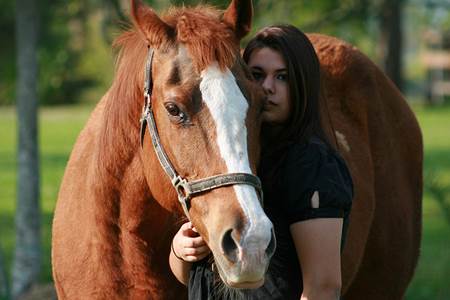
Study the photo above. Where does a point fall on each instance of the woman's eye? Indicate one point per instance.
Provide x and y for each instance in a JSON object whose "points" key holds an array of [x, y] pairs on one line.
{"points": [[257, 75], [282, 77]]}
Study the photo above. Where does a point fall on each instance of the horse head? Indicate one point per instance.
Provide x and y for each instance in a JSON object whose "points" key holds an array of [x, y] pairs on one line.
{"points": [[207, 114]]}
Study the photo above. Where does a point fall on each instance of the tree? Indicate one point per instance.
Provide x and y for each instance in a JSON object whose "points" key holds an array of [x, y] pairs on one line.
{"points": [[27, 256], [391, 39]]}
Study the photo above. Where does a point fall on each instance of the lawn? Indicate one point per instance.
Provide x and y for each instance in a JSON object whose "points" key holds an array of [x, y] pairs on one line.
{"points": [[59, 128], [432, 278]]}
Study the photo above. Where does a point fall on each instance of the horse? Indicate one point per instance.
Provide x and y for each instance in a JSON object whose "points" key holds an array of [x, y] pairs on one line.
{"points": [[380, 139], [115, 215], [117, 209]]}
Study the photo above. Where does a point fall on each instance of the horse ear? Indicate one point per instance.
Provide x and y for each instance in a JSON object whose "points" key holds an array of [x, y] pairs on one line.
{"points": [[239, 15], [155, 30]]}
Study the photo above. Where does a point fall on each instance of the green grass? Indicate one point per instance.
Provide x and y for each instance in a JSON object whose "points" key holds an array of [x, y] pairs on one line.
{"points": [[59, 128], [431, 280]]}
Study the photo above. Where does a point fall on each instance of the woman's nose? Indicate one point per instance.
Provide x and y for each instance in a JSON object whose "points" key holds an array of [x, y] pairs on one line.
{"points": [[268, 85]]}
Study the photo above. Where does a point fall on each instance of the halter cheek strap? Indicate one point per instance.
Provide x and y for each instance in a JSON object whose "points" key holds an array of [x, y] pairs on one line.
{"points": [[184, 188]]}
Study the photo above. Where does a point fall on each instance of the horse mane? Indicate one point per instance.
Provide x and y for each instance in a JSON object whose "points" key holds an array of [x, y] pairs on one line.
{"points": [[206, 38]]}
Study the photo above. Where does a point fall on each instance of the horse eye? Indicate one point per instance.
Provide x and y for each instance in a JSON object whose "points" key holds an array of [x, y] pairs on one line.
{"points": [[173, 109]]}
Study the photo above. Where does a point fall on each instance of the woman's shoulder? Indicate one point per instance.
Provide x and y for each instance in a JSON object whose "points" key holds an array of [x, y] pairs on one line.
{"points": [[309, 152], [310, 167], [315, 160]]}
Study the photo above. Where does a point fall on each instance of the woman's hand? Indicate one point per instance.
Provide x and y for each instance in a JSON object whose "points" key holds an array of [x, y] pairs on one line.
{"points": [[188, 245]]}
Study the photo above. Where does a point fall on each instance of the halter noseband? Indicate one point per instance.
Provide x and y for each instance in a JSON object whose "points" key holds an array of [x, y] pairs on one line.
{"points": [[184, 188]]}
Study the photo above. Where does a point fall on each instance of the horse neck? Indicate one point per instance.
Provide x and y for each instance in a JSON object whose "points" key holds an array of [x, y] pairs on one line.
{"points": [[123, 200], [118, 138], [131, 230], [120, 175], [119, 132]]}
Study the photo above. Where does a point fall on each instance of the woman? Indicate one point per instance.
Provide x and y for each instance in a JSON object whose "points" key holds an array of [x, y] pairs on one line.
{"points": [[307, 186]]}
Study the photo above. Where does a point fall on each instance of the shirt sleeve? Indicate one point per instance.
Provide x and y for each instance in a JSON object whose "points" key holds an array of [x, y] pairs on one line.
{"points": [[315, 168]]}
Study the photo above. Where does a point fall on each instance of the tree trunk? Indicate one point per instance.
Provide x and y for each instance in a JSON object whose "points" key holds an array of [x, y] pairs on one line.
{"points": [[27, 255], [392, 40]]}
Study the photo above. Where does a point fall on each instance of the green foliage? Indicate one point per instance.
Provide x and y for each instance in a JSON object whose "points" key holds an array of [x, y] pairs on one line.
{"points": [[65, 48], [347, 19], [7, 51], [57, 81], [75, 38], [351, 20], [62, 42]]}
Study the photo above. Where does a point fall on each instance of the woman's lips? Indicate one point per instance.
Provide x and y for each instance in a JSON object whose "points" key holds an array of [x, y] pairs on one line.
{"points": [[268, 104], [270, 101]]}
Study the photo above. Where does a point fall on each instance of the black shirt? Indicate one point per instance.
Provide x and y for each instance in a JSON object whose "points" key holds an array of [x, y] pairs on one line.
{"points": [[305, 169]]}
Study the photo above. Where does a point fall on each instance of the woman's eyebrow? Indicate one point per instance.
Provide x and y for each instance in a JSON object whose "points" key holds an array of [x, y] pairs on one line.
{"points": [[257, 68]]}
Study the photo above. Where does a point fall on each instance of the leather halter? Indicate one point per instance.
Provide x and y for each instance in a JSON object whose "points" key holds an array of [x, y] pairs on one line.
{"points": [[184, 188]]}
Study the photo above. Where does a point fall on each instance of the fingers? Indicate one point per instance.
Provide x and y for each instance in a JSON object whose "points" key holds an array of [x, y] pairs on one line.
{"points": [[188, 230], [194, 242], [195, 254], [185, 228], [189, 245], [196, 251]]}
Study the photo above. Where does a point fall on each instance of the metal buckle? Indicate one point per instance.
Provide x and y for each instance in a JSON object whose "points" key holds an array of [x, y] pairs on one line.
{"points": [[182, 187], [145, 111], [147, 98], [184, 193], [143, 122]]}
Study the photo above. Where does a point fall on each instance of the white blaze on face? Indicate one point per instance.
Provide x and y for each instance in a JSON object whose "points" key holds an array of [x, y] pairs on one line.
{"points": [[228, 108]]}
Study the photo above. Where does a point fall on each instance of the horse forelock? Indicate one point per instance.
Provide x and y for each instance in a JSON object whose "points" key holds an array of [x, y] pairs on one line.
{"points": [[200, 29], [206, 37]]}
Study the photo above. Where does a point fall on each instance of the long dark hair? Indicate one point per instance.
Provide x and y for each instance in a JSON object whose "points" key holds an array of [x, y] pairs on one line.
{"points": [[303, 70]]}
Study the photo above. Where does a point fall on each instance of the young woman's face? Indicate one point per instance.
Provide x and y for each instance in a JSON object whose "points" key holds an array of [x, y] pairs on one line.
{"points": [[270, 71]]}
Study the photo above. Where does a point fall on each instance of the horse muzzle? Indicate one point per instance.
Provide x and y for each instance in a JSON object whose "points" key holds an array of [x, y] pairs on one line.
{"points": [[242, 263]]}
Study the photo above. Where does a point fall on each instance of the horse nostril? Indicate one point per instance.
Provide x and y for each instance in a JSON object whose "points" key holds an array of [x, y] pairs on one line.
{"points": [[270, 250], [229, 246]]}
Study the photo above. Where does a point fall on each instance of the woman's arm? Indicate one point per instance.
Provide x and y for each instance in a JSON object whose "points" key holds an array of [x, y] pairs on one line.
{"points": [[187, 247], [318, 242]]}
